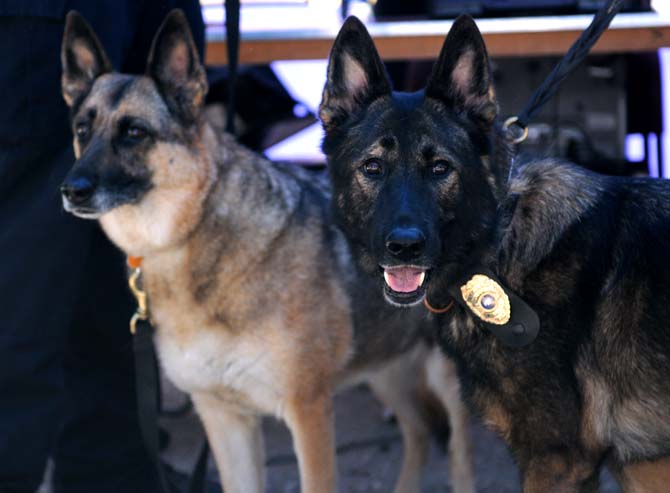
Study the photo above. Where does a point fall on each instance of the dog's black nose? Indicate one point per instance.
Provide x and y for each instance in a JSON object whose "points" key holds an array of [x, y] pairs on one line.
{"points": [[77, 190], [405, 242]]}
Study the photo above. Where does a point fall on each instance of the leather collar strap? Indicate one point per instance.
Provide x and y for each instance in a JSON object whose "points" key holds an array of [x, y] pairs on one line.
{"points": [[496, 307], [233, 45]]}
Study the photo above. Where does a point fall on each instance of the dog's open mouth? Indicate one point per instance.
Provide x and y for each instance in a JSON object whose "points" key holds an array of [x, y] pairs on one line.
{"points": [[404, 284]]}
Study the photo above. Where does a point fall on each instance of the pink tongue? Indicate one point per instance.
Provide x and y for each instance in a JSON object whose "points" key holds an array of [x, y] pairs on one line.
{"points": [[404, 279]]}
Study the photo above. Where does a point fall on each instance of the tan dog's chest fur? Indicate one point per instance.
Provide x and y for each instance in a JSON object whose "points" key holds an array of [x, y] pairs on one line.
{"points": [[244, 354]]}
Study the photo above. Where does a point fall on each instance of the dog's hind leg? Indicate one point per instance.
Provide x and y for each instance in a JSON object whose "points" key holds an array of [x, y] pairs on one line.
{"points": [[397, 385], [237, 444], [312, 428], [443, 381]]}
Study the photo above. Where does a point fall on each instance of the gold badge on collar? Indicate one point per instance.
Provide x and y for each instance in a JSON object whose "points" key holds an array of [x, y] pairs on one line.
{"points": [[487, 299]]}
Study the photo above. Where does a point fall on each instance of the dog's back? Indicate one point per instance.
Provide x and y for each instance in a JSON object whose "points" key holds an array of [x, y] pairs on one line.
{"points": [[590, 253]]}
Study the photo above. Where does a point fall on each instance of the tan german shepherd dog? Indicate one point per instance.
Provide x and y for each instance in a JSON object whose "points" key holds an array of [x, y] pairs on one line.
{"points": [[258, 306]]}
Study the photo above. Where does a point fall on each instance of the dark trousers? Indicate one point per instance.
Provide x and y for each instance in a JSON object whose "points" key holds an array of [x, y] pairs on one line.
{"points": [[66, 370]]}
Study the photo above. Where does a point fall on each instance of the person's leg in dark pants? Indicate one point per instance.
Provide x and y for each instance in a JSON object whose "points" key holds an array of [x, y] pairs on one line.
{"points": [[40, 279], [65, 355], [66, 371]]}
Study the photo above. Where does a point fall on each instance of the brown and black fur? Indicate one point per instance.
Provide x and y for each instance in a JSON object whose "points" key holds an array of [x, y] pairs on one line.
{"points": [[259, 309], [587, 252]]}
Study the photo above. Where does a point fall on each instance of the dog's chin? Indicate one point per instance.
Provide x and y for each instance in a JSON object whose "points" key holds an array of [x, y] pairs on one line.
{"points": [[404, 286], [84, 212], [404, 300]]}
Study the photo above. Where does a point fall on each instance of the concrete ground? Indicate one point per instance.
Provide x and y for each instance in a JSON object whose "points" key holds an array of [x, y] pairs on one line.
{"points": [[369, 452]]}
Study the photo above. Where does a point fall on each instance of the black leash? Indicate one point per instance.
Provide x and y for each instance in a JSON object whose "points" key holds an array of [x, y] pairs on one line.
{"points": [[233, 48], [479, 291], [573, 58], [148, 395]]}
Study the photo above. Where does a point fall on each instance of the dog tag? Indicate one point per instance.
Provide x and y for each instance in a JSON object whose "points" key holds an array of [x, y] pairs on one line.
{"points": [[486, 299], [509, 318]]}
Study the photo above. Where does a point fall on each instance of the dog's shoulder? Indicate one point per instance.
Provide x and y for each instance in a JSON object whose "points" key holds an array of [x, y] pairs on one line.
{"points": [[559, 209], [546, 197], [557, 193], [551, 183]]}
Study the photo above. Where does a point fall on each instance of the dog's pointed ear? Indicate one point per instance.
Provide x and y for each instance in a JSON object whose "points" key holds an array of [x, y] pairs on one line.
{"points": [[356, 74], [82, 57], [462, 76], [175, 67]]}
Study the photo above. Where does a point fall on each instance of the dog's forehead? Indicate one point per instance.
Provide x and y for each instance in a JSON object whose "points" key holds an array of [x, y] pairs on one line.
{"points": [[121, 94], [410, 124]]}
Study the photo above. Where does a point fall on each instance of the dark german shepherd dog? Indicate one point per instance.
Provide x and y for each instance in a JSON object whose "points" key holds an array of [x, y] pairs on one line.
{"points": [[421, 202]]}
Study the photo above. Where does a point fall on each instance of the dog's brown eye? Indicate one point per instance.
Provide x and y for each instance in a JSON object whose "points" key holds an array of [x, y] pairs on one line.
{"points": [[372, 167], [440, 167], [135, 132]]}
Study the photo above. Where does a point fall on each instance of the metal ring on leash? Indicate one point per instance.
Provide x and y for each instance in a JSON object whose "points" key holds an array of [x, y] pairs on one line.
{"points": [[506, 127]]}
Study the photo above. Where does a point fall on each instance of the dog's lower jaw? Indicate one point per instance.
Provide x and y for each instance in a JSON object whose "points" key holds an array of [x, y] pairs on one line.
{"points": [[418, 300], [85, 215], [81, 212]]}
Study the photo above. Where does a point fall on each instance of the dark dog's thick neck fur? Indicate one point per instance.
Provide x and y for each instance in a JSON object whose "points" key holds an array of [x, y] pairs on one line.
{"points": [[587, 252]]}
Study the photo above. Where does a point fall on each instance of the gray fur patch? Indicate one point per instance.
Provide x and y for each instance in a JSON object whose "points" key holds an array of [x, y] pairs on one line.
{"points": [[552, 196]]}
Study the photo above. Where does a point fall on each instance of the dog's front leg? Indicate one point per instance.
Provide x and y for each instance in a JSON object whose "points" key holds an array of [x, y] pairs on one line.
{"points": [[443, 380], [397, 386], [311, 425], [237, 443]]}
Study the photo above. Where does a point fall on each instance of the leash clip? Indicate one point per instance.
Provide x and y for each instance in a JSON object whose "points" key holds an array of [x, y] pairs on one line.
{"points": [[142, 312], [510, 134]]}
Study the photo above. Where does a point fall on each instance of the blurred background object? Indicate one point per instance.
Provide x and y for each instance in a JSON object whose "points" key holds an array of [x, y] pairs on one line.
{"points": [[497, 8], [609, 116]]}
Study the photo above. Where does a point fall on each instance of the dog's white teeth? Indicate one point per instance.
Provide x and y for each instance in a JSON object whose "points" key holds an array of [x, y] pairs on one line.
{"points": [[421, 278], [386, 278]]}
